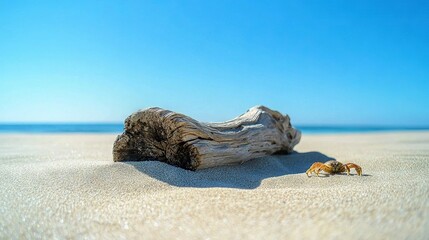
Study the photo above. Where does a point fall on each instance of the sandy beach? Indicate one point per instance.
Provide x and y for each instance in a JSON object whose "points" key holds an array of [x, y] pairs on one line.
{"points": [[67, 186]]}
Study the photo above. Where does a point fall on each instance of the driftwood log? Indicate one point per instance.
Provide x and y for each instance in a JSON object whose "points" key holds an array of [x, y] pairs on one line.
{"points": [[163, 135]]}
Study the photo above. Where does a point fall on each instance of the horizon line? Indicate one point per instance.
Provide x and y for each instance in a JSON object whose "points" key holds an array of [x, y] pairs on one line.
{"points": [[327, 125]]}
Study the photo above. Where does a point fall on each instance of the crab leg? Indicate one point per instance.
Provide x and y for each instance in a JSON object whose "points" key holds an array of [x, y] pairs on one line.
{"points": [[347, 169], [356, 167], [314, 168], [326, 168]]}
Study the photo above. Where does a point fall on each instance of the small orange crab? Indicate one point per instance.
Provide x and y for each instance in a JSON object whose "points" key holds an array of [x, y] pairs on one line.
{"points": [[333, 167]]}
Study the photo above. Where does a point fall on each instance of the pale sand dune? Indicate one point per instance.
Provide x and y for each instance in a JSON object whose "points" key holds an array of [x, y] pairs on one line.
{"points": [[66, 186]]}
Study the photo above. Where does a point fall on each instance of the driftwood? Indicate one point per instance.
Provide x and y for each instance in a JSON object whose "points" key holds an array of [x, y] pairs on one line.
{"points": [[158, 134]]}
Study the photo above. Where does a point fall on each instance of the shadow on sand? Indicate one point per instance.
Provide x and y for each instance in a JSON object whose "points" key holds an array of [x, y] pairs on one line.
{"points": [[245, 176]]}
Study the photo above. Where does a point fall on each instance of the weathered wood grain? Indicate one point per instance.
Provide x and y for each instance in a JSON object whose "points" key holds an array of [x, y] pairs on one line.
{"points": [[163, 135]]}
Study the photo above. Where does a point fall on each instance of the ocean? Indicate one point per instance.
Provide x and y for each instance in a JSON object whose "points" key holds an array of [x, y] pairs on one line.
{"points": [[118, 127]]}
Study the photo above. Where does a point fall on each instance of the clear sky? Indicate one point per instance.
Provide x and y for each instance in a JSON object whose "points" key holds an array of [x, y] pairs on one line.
{"points": [[322, 62]]}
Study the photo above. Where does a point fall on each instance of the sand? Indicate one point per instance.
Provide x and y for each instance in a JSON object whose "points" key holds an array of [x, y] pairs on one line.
{"points": [[66, 186]]}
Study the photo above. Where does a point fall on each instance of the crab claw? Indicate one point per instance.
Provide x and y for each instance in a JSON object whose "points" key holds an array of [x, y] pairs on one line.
{"points": [[356, 167]]}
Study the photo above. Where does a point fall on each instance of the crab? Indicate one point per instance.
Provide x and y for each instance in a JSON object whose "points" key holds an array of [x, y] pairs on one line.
{"points": [[332, 167]]}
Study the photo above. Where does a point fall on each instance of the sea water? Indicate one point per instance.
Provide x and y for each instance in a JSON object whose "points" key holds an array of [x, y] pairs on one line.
{"points": [[118, 127]]}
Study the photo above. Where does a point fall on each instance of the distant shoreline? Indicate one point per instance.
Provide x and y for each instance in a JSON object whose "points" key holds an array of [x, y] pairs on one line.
{"points": [[114, 128]]}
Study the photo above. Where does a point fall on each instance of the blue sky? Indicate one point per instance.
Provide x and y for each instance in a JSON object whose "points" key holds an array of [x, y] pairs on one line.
{"points": [[321, 62]]}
